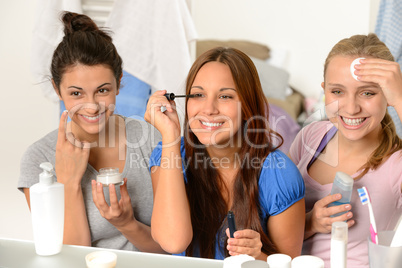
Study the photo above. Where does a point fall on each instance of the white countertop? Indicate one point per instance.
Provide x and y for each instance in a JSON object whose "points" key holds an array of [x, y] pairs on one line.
{"points": [[21, 254]]}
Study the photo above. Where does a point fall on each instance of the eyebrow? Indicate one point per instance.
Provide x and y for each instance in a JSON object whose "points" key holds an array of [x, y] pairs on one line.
{"points": [[373, 86], [80, 88], [222, 89], [335, 85]]}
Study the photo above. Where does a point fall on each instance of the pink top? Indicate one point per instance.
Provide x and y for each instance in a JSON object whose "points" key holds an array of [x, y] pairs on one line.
{"points": [[383, 184]]}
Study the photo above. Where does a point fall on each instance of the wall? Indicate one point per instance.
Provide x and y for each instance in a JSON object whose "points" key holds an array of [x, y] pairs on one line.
{"points": [[26, 115], [305, 29]]}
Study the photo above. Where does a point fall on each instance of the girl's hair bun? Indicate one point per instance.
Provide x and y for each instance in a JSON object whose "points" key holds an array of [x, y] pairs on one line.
{"points": [[74, 22]]}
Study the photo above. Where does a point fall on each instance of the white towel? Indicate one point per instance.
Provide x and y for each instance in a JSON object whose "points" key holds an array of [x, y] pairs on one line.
{"points": [[47, 34], [153, 36], [389, 30]]}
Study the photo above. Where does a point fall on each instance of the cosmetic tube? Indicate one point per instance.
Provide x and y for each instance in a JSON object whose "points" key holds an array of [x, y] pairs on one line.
{"points": [[339, 241]]}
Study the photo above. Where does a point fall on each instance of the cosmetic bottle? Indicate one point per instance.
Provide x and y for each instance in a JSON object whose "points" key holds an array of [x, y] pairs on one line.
{"points": [[47, 211], [339, 241], [343, 184]]}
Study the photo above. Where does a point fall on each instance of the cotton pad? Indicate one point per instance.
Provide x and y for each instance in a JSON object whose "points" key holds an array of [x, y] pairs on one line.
{"points": [[352, 67]]}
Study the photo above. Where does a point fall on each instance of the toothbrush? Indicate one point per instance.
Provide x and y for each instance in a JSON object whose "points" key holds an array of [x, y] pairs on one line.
{"points": [[397, 240], [365, 199]]}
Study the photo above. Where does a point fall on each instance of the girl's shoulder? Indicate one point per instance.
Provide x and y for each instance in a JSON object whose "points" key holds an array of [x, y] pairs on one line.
{"points": [[279, 166], [280, 183], [317, 128], [46, 143], [394, 161]]}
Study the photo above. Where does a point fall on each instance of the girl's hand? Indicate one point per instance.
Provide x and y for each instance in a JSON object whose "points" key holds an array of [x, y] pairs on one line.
{"points": [[318, 220], [166, 122], [120, 212], [71, 155], [244, 242], [387, 74]]}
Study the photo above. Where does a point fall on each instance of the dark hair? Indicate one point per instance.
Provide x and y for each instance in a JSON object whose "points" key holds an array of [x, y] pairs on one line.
{"points": [[370, 46], [84, 43], [204, 185]]}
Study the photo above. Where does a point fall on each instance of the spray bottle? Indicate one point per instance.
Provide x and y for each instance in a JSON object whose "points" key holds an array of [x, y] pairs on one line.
{"points": [[47, 211]]}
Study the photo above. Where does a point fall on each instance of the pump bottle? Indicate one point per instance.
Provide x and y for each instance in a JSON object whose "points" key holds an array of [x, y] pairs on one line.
{"points": [[47, 211]]}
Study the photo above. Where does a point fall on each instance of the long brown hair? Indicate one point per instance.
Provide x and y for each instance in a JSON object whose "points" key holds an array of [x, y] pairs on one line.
{"points": [[204, 184], [370, 46]]}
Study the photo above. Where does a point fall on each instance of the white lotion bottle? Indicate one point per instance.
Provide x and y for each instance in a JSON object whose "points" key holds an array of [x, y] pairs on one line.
{"points": [[47, 211], [339, 242]]}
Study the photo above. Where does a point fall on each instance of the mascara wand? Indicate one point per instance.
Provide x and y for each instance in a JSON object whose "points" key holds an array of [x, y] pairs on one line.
{"points": [[231, 223], [172, 96]]}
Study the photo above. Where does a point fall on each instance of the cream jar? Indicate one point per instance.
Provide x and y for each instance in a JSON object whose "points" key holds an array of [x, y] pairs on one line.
{"points": [[109, 175]]}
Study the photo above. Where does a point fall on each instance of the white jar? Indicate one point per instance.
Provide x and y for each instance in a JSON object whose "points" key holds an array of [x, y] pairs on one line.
{"points": [[109, 175]]}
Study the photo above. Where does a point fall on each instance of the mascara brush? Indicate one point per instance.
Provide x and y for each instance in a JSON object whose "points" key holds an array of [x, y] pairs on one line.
{"points": [[172, 96]]}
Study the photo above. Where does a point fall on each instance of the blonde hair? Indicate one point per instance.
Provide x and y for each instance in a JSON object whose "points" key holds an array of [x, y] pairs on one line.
{"points": [[370, 46]]}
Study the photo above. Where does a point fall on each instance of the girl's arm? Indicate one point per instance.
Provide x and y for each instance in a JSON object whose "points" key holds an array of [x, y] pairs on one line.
{"points": [[286, 229], [171, 221], [71, 163], [388, 75]]}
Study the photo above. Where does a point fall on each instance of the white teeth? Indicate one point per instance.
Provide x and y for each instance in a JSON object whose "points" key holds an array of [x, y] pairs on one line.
{"points": [[352, 122], [92, 118], [211, 124]]}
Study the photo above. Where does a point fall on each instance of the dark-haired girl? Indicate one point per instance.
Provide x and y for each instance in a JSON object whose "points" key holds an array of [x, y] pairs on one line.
{"points": [[86, 71], [225, 161]]}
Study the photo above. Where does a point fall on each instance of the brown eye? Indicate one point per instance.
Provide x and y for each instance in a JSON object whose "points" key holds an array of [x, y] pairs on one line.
{"points": [[368, 94], [198, 95]]}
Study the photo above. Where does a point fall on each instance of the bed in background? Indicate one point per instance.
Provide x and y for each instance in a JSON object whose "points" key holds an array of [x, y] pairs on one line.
{"points": [[286, 103]]}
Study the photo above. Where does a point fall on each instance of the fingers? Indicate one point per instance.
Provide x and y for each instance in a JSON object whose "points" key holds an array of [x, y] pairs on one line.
{"points": [[245, 242], [247, 233], [323, 215], [328, 200], [158, 100], [114, 205], [337, 209], [344, 217], [350, 223], [227, 232], [125, 197], [376, 70], [62, 126], [101, 204], [94, 196], [116, 208]]}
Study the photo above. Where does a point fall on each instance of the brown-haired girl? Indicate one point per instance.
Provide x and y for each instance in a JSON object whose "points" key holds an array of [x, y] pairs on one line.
{"points": [[359, 139], [225, 161], [86, 71]]}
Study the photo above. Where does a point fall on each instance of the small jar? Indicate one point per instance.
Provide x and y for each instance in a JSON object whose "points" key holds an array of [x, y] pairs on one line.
{"points": [[109, 176]]}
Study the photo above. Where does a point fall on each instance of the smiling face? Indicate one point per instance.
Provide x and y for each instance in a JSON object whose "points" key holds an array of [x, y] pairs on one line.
{"points": [[89, 94], [214, 115], [356, 108]]}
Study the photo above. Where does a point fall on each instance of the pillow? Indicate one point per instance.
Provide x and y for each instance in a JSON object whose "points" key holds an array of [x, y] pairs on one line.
{"points": [[293, 105], [252, 49], [274, 80]]}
